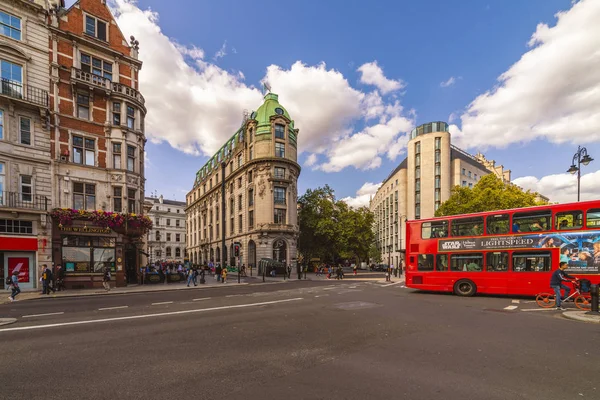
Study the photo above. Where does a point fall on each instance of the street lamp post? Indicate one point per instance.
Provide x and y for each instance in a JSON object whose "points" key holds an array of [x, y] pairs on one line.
{"points": [[582, 157]]}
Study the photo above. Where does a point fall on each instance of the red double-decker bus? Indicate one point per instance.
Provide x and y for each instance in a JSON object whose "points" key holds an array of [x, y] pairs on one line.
{"points": [[510, 252]]}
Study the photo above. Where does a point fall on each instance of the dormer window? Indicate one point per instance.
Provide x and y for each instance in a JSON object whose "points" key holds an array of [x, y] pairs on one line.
{"points": [[95, 27]]}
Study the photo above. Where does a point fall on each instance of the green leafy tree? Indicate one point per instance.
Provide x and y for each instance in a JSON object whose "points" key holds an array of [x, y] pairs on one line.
{"points": [[489, 194]]}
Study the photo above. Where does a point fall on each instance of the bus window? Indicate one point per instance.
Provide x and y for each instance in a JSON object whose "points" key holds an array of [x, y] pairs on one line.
{"points": [[497, 261], [533, 221], [441, 262], [593, 218], [437, 229], [568, 220], [471, 262], [467, 226], [532, 262], [498, 224], [425, 262]]}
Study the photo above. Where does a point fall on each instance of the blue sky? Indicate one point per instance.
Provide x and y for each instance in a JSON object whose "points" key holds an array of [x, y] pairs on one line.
{"points": [[384, 65]]}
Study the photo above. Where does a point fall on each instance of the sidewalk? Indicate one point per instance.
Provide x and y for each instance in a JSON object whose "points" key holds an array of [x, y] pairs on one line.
{"points": [[132, 289], [583, 316]]}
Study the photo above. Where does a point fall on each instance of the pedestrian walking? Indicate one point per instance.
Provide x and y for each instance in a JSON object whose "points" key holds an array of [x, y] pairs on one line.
{"points": [[355, 269], [106, 278], [47, 280], [224, 275], [202, 274], [218, 273], [195, 276], [60, 278], [14, 286]]}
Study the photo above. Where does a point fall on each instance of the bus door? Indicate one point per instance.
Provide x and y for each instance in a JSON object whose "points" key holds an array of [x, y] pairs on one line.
{"points": [[531, 272], [496, 272]]}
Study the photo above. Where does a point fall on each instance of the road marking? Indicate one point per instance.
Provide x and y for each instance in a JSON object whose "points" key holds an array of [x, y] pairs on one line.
{"points": [[516, 301], [511, 307], [203, 298], [164, 302], [235, 295], [329, 288], [112, 308], [541, 309], [42, 315], [391, 284], [352, 287], [93, 321]]}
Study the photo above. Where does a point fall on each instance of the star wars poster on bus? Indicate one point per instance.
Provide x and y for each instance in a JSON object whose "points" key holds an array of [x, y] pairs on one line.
{"points": [[581, 249]]}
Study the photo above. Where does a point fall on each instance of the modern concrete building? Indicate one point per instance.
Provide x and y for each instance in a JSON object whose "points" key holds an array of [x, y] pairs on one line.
{"points": [[247, 193], [421, 183], [166, 241], [97, 142], [25, 174]]}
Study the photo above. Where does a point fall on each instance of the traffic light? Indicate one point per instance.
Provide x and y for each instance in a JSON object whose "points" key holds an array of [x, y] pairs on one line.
{"points": [[236, 249]]}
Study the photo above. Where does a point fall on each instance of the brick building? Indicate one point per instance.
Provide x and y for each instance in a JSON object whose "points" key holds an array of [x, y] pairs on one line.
{"points": [[25, 174], [247, 193], [97, 140]]}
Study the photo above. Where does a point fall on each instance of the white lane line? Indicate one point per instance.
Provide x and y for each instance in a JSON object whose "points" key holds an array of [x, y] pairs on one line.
{"points": [[516, 301], [391, 284], [511, 307], [93, 321], [164, 302], [203, 298], [234, 295], [329, 288], [541, 309], [351, 287], [112, 308], [42, 315]]}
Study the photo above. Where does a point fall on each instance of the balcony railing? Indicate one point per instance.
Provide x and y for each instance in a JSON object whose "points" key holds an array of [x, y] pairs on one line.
{"points": [[128, 91], [28, 93], [92, 79], [23, 201]]}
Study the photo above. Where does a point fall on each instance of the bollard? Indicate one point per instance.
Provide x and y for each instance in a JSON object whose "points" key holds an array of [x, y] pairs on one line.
{"points": [[594, 292]]}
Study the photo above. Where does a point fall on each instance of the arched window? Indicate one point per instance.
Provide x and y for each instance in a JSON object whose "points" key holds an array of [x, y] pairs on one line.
{"points": [[177, 252], [157, 235], [168, 252]]}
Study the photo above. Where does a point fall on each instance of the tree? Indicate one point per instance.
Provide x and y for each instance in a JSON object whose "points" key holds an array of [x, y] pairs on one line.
{"points": [[489, 194], [330, 229]]}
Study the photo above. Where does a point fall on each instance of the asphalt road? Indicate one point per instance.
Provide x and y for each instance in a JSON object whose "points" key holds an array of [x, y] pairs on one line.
{"points": [[299, 340]]}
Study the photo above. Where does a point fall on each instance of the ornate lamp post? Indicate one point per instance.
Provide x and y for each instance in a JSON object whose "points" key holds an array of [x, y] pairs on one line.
{"points": [[582, 157]]}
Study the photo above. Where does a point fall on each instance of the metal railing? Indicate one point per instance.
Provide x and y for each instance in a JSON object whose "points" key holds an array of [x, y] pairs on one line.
{"points": [[23, 200], [28, 93]]}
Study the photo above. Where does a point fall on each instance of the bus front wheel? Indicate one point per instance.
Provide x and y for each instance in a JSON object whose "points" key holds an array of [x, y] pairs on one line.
{"points": [[465, 288]]}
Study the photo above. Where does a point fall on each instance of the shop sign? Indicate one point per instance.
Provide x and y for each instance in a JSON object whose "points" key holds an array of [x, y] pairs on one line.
{"points": [[21, 265], [85, 229]]}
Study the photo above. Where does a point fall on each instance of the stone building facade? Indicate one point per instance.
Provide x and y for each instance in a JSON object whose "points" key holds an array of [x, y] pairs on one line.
{"points": [[25, 173], [97, 140], [421, 183], [247, 193], [166, 240]]}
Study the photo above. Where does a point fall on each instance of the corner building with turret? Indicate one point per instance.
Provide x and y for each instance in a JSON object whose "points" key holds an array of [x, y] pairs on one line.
{"points": [[257, 171]]}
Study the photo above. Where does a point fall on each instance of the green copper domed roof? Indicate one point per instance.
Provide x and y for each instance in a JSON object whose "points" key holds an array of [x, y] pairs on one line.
{"points": [[264, 113]]}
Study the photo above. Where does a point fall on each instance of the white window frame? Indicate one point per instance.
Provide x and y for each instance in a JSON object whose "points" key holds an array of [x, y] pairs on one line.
{"points": [[96, 19], [77, 105], [117, 156], [21, 118], [84, 151], [10, 27], [130, 118], [132, 158], [24, 185]]}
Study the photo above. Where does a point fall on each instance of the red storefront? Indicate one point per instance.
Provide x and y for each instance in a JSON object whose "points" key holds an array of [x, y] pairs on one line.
{"points": [[19, 254]]}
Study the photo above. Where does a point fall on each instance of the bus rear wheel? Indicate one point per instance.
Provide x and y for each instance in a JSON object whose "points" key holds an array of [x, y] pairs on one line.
{"points": [[465, 288]]}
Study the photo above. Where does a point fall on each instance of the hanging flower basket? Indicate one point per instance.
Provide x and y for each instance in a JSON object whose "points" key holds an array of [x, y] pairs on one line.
{"points": [[126, 224]]}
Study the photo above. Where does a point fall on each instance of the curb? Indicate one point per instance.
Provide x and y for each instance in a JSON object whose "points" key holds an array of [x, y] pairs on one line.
{"points": [[582, 316], [7, 321]]}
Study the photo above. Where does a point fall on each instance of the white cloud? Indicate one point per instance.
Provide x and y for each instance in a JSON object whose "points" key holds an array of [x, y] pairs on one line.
{"points": [[372, 74], [451, 81], [363, 195], [222, 52], [311, 160], [562, 188], [326, 107], [551, 93], [203, 103]]}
